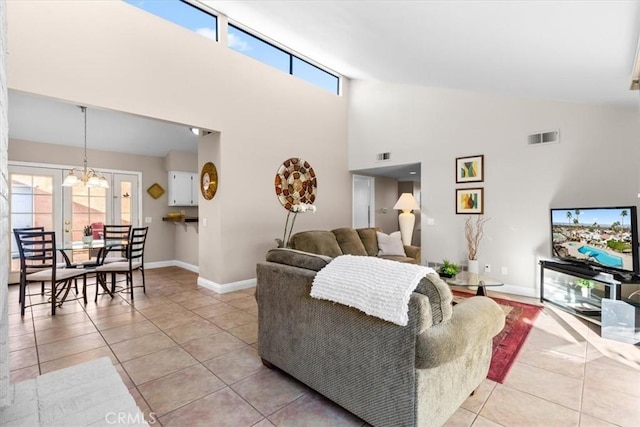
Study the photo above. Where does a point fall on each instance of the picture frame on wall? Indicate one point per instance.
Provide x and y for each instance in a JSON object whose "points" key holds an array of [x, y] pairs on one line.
{"points": [[470, 169], [470, 201]]}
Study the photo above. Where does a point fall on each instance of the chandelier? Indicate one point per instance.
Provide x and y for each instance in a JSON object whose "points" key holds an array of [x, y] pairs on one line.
{"points": [[85, 176]]}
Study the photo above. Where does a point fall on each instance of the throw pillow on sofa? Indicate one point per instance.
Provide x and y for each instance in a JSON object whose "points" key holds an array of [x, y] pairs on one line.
{"points": [[390, 244]]}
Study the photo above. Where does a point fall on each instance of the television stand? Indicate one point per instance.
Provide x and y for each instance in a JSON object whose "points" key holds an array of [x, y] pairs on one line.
{"points": [[594, 296]]}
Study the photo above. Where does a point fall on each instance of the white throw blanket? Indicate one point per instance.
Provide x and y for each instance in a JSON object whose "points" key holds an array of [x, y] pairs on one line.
{"points": [[376, 286]]}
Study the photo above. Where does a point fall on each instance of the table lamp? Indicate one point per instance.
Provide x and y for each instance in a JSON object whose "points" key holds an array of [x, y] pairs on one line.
{"points": [[406, 203]]}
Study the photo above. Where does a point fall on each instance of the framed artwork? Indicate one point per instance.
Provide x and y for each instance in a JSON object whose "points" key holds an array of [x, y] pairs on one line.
{"points": [[470, 201], [470, 169]]}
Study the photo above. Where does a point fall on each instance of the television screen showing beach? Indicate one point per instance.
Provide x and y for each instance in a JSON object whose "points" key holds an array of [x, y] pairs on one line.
{"points": [[600, 236]]}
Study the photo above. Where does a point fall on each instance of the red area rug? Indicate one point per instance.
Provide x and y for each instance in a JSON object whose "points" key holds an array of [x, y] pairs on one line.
{"points": [[506, 345]]}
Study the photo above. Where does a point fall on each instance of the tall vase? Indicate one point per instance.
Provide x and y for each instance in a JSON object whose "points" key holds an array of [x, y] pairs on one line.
{"points": [[472, 266]]}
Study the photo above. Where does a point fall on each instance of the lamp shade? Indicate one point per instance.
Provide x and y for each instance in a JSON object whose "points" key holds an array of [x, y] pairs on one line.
{"points": [[406, 203]]}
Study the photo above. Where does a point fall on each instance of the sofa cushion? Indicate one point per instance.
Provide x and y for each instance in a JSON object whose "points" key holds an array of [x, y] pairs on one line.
{"points": [[390, 244], [369, 240], [400, 258], [349, 241], [319, 242], [296, 258], [440, 297]]}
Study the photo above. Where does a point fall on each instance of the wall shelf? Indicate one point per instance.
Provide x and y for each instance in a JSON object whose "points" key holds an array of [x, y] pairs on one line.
{"points": [[181, 219]]}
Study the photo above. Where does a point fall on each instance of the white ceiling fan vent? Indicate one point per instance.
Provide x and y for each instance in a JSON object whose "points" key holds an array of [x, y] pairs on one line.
{"points": [[383, 156], [541, 138]]}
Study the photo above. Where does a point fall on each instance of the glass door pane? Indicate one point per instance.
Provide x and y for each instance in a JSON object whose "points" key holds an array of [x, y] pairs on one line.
{"points": [[34, 202], [125, 199], [83, 207]]}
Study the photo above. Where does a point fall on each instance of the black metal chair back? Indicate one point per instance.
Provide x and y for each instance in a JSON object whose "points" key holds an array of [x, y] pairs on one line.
{"points": [[27, 230], [137, 240], [37, 248], [115, 233]]}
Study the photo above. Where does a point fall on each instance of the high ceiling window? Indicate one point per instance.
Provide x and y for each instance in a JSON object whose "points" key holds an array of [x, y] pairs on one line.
{"points": [[257, 48], [198, 20], [182, 13]]}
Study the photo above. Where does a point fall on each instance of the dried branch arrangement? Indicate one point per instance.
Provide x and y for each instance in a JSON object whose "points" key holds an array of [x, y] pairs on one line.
{"points": [[473, 232]]}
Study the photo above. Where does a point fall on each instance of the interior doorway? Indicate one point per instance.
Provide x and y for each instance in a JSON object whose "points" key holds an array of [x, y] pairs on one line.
{"points": [[364, 199], [376, 191]]}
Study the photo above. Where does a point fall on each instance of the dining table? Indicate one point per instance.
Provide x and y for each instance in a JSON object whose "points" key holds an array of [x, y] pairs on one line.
{"points": [[102, 245]]}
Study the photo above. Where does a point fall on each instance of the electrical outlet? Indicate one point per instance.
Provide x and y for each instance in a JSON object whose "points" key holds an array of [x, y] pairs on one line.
{"points": [[505, 271], [487, 268]]}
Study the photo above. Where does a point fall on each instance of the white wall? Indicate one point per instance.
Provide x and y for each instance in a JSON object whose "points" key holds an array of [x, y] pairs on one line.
{"points": [[113, 55], [595, 164]]}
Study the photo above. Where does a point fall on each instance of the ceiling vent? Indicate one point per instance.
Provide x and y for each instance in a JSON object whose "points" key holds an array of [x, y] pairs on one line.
{"points": [[383, 156], [544, 138]]}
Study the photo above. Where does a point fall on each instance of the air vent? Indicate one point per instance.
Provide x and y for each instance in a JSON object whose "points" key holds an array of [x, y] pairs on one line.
{"points": [[384, 156], [544, 138]]}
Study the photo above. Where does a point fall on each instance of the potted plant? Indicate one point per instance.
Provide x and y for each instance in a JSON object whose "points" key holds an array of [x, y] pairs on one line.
{"points": [[473, 233], [585, 286], [448, 268], [87, 232]]}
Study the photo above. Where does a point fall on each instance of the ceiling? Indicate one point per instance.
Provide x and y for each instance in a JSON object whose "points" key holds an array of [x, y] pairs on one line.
{"points": [[577, 51], [40, 119]]}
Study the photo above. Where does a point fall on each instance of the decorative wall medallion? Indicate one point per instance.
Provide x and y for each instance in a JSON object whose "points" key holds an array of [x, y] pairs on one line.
{"points": [[208, 180], [295, 183], [154, 191]]}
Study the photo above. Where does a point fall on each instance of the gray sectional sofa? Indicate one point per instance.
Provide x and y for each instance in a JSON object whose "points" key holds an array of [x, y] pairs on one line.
{"points": [[349, 241], [388, 375]]}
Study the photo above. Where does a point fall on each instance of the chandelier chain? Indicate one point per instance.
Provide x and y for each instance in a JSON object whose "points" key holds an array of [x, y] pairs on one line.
{"points": [[84, 114]]}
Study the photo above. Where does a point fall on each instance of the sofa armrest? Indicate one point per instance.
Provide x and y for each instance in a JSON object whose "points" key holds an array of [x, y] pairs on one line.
{"points": [[475, 321], [414, 252]]}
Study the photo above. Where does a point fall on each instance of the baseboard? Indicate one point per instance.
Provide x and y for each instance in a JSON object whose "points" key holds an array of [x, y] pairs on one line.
{"points": [[186, 266], [226, 287], [171, 263], [205, 283]]}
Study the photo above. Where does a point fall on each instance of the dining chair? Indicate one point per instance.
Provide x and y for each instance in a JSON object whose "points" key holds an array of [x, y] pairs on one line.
{"points": [[38, 256], [115, 233], [106, 254], [134, 261], [31, 270], [66, 264]]}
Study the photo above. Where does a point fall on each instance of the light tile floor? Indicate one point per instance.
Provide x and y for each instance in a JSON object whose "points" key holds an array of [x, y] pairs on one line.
{"points": [[188, 356]]}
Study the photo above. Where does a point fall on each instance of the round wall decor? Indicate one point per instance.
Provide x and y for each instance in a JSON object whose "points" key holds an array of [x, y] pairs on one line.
{"points": [[295, 183], [208, 180]]}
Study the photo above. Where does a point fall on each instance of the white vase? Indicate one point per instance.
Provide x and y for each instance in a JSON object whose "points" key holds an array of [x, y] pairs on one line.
{"points": [[472, 266]]}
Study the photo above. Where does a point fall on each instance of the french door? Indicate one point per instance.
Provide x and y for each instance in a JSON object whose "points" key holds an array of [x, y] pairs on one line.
{"points": [[39, 200]]}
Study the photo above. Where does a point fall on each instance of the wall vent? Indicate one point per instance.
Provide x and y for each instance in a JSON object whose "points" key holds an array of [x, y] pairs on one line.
{"points": [[384, 156], [540, 138]]}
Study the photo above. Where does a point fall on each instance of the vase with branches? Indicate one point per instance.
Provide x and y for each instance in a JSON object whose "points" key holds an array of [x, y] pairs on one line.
{"points": [[473, 233], [292, 214]]}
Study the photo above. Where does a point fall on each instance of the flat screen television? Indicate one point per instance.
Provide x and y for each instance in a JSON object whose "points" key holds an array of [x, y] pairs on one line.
{"points": [[605, 238]]}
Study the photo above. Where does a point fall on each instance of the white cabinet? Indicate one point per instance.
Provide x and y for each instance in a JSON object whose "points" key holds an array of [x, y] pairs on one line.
{"points": [[183, 188]]}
